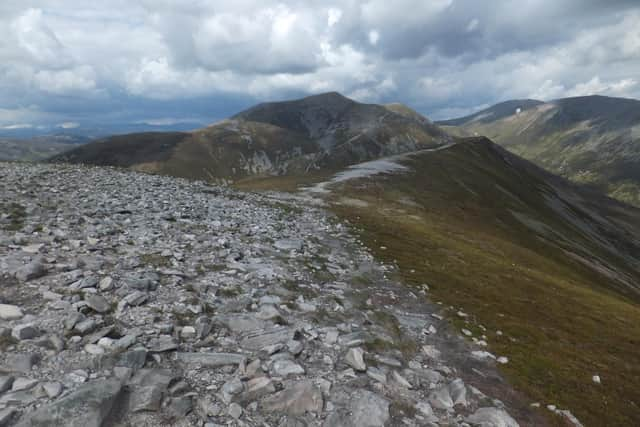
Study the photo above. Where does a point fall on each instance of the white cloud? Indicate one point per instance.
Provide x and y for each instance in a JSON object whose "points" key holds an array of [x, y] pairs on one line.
{"points": [[472, 25], [374, 36], [333, 16], [36, 39], [69, 125], [66, 81], [595, 87], [18, 126]]}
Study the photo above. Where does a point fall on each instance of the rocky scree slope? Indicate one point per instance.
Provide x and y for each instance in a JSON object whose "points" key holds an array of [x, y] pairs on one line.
{"points": [[146, 300], [327, 131], [593, 140]]}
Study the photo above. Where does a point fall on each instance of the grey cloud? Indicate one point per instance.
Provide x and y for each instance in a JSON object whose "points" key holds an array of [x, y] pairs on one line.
{"points": [[156, 59]]}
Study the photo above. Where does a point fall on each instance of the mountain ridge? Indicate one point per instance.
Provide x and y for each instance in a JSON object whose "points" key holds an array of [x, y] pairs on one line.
{"points": [[592, 140], [326, 131]]}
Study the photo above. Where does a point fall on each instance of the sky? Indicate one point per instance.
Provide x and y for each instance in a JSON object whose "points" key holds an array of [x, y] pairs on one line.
{"points": [[73, 63]]}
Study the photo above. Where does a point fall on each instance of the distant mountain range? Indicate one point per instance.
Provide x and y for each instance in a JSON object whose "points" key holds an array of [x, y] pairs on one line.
{"points": [[594, 140], [322, 132]]}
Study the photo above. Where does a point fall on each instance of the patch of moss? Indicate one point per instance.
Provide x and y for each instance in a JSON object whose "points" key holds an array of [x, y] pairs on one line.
{"points": [[155, 260], [16, 216]]}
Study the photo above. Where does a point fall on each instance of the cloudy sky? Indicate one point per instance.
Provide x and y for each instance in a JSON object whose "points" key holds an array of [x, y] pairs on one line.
{"points": [[66, 63]]}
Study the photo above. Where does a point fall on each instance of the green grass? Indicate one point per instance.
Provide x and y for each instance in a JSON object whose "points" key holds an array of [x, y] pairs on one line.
{"points": [[562, 322], [17, 215]]}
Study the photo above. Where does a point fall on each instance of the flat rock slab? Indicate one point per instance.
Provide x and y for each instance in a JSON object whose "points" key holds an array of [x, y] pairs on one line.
{"points": [[98, 303], [10, 312], [256, 340], [210, 359], [240, 322], [300, 398], [366, 409], [88, 406], [491, 417]]}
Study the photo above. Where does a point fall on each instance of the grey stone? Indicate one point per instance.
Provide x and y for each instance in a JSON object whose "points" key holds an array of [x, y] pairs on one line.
{"points": [[25, 332], [205, 408], [135, 299], [97, 335], [94, 349], [5, 383], [288, 244], [124, 342], [85, 326], [231, 388], [146, 398], [284, 368], [98, 303], [106, 284], [52, 389], [441, 398], [210, 360], [162, 343], [295, 347], [6, 415], [87, 282], [425, 410], [256, 388], [22, 384], [134, 358], [240, 322], [20, 362], [268, 312], [400, 380], [87, 406], [234, 411], [491, 417], [179, 407], [367, 409], [297, 399], [188, 332], [377, 374], [458, 392], [203, 327], [10, 312], [17, 398], [355, 359], [34, 270], [255, 340]]}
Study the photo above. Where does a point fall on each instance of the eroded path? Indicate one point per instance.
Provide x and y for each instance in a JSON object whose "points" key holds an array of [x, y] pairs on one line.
{"points": [[131, 299]]}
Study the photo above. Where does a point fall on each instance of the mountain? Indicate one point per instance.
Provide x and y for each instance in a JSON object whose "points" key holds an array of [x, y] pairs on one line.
{"points": [[321, 132], [543, 270], [594, 140], [38, 147]]}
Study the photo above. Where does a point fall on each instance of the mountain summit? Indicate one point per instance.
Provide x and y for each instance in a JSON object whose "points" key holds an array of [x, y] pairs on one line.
{"points": [[320, 132]]}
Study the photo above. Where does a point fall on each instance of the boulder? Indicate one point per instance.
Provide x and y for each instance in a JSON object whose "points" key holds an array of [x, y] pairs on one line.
{"points": [[491, 417], [87, 406], [298, 399], [10, 312]]}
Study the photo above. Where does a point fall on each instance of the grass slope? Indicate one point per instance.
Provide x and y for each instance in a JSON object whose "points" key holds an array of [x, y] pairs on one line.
{"points": [[449, 223]]}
